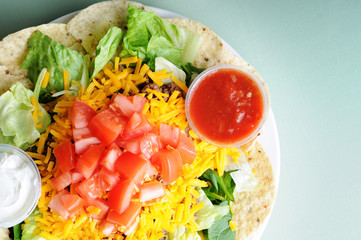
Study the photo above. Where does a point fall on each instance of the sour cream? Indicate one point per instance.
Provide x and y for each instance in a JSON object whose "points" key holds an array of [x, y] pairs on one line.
{"points": [[20, 185]]}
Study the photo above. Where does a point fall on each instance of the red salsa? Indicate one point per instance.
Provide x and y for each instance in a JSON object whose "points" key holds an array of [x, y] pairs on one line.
{"points": [[226, 106]]}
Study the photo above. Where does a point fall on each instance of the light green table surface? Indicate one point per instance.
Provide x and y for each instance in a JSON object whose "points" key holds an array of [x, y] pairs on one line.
{"points": [[309, 53]]}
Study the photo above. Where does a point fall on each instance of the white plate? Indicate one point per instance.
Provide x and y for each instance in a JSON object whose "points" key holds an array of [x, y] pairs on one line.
{"points": [[269, 138]]}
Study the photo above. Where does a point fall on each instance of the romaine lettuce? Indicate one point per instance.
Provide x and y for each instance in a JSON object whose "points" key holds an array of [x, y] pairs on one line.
{"points": [[241, 173], [43, 52], [149, 37], [17, 125], [183, 233], [161, 63], [106, 49], [30, 226], [207, 215]]}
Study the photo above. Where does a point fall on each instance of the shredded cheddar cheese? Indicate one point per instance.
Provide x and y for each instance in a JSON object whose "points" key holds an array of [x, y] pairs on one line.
{"points": [[45, 82], [179, 205]]}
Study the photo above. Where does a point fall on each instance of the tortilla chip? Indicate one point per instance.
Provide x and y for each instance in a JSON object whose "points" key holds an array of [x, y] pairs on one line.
{"points": [[7, 80], [92, 23], [212, 51], [251, 208], [13, 48]]}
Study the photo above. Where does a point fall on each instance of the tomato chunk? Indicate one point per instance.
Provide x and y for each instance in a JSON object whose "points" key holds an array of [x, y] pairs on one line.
{"points": [[101, 204], [131, 166], [57, 205], [137, 125], [81, 133], [131, 145], [83, 144], [186, 149], [169, 163], [108, 179], [120, 196], [76, 177], [107, 126], [127, 106], [73, 203], [90, 188], [127, 217], [110, 156], [169, 135], [61, 181], [65, 156], [151, 191], [88, 162], [80, 114], [107, 227], [149, 144]]}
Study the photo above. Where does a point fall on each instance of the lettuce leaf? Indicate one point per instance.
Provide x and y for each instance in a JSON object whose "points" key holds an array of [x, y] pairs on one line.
{"points": [[149, 37], [221, 230], [221, 188], [43, 52], [207, 215], [30, 226], [161, 63], [106, 49], [241, 174], [17, 125], [183, 233]]}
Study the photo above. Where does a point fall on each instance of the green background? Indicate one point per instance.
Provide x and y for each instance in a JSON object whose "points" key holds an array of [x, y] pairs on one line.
{"points": [[309, 54]]}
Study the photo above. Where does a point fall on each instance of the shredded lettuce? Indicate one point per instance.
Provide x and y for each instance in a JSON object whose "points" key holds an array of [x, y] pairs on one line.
{"points": [[207, 215], [30, 226], [183, 233], [106, 49], [17, 125], [161, 63], [243, 175], [149, 37], [43, 52]]}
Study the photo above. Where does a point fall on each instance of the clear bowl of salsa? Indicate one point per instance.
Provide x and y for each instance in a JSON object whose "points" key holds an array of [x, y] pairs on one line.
{"points": [[227, 105]]}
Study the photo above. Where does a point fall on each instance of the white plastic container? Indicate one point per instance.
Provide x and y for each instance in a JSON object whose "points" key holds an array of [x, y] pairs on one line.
{"points": [[265, 100], [20, 185]]}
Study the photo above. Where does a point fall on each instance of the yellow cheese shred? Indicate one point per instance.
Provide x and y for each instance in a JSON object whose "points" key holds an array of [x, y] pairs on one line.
{"points": [[179, 205]]}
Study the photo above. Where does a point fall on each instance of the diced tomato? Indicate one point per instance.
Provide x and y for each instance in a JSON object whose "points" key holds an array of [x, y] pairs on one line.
{"points": [[186, 149], [150, 170], [131, 166], [119, 197], [131, 145], [169, 135], [125, 218], [110, 156], [88, 162], [101, 204], [151, 191], [127, 106], [108, 179], [83, 144], [76, 177], [65, 156], [107, 126], [90, 188], [169, 163], [61, 181], [80, 114], [73, 203], [81, 133], [56, 204], [149, 144], [137, 125], [107, 227], [131, 228]]}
